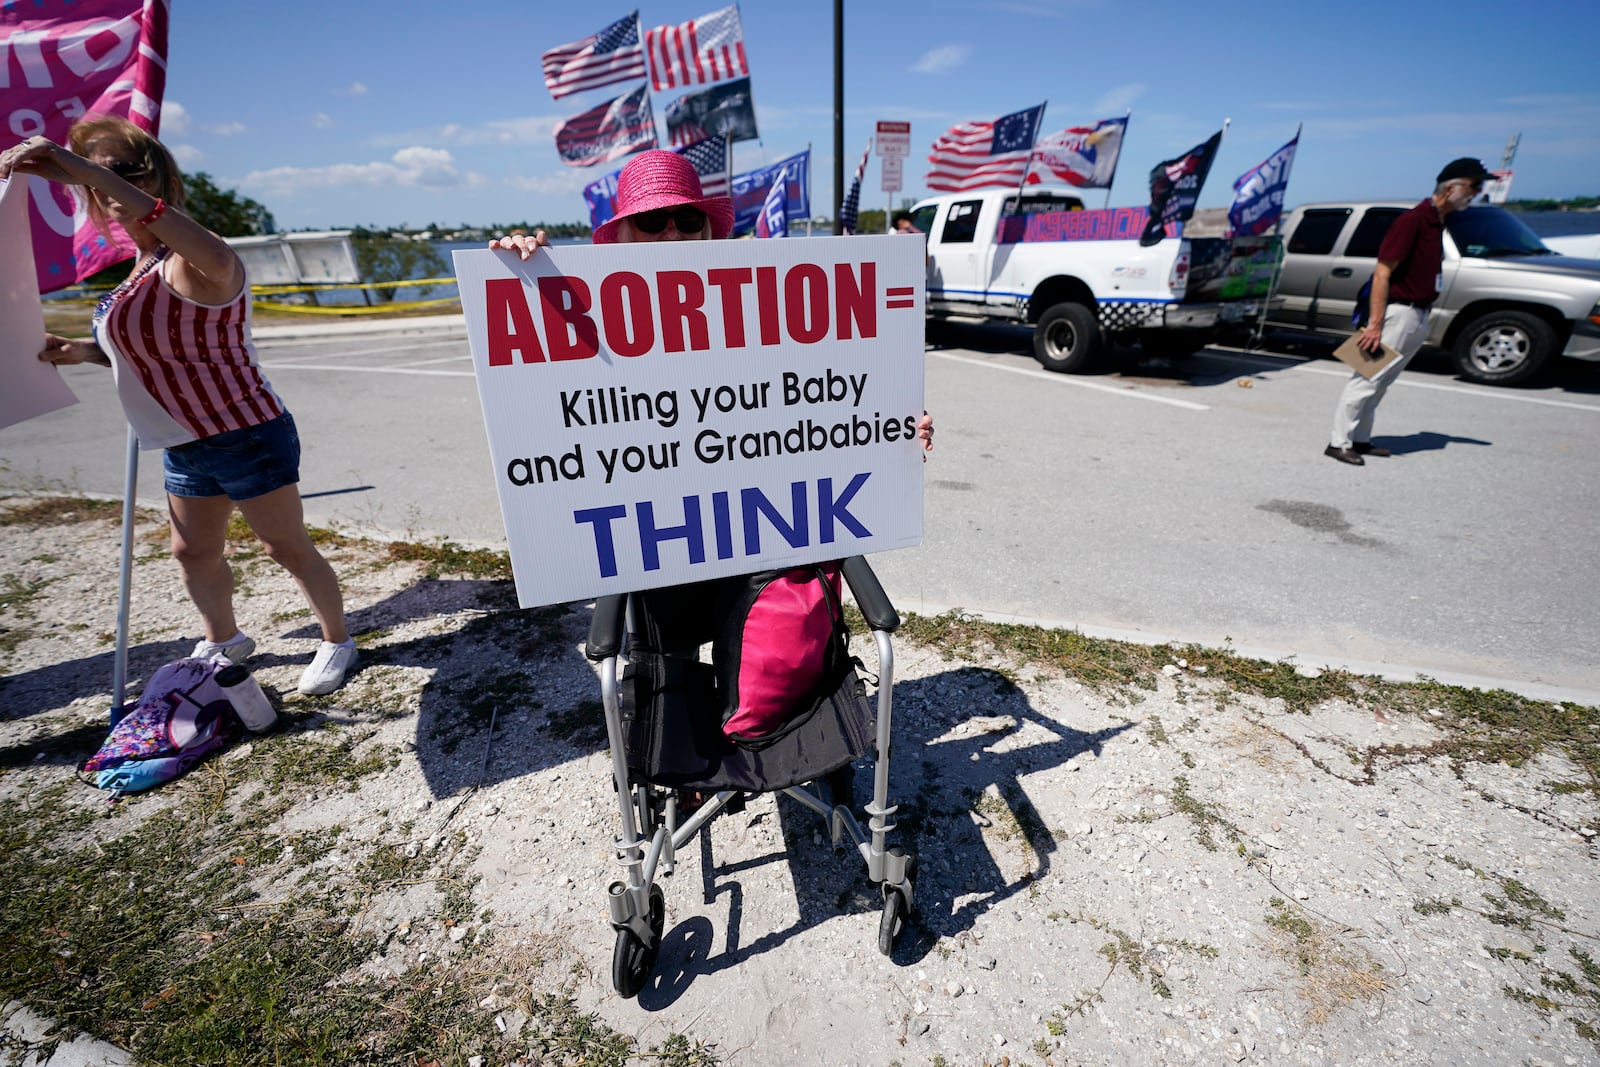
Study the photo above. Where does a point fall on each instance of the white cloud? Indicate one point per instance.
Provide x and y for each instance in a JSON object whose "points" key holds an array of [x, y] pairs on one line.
{"points": [[942, 60], [321, 120], [187, 155], [412, 166], [566, 180], [532, 129], [226, 129], [174, 119], [1114, 102], [354, 89]]}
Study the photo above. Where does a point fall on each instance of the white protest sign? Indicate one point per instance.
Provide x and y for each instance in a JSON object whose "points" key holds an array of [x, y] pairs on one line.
{"points": [[670, 412], [894, 138], [893, 174], [27, 387]]}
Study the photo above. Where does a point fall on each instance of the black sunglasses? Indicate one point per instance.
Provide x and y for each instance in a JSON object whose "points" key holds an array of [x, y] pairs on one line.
{"points": [[686, 219], [128, 168]]}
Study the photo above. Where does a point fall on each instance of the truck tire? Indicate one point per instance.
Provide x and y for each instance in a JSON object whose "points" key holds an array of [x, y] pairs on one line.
{"points": [[1503, 347], [1067, 339]]}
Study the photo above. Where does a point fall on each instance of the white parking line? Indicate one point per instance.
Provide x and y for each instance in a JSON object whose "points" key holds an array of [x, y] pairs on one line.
{"points": [[1066, 379], [367, 370], [1481, 391], [385, 350], [463, 358]]}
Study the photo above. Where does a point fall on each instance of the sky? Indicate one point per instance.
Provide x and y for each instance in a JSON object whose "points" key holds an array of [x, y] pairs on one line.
{"points": [[337, 113]]}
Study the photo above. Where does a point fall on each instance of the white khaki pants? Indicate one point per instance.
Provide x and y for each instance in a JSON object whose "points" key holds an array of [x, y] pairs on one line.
{"points": [[1404, 329]]}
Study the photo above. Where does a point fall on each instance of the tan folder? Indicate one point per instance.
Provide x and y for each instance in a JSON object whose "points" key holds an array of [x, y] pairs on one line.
{"points": [[1362, 362]]}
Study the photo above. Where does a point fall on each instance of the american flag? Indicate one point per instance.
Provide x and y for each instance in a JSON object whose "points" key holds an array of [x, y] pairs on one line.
{"points": [[978, 154], [852, 202], [610, 56], [710, 159], [610, 131], [703, 50]]}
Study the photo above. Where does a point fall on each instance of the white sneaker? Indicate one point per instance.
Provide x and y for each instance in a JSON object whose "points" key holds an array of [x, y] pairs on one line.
{"points": [[237, 651], [328, 669]]}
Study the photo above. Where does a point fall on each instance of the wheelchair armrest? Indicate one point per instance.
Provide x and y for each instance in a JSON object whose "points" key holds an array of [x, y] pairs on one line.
{"points": [[605, 631], [869, 594]]}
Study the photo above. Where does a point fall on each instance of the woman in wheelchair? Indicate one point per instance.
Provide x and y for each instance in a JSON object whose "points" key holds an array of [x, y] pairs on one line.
{"points": [[659, 198]]}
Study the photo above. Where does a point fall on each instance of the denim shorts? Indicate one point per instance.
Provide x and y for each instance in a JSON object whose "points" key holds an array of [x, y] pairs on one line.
{"points": [[238, 464]]}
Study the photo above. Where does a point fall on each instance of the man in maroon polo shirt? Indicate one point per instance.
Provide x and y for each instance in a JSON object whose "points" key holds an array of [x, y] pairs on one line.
{"points": [[1404, 285]]}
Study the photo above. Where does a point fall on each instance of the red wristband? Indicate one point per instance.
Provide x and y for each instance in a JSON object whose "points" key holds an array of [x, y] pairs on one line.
{"points": [[155, 213]]}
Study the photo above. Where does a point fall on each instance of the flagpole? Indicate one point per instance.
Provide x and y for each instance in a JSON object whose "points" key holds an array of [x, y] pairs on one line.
{"points": [[838, 117], [1126, 115], [1026, 167]]}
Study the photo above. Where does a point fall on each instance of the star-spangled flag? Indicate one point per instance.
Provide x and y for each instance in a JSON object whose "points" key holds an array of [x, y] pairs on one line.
{"points": [[610, 131], [605, 58], [774, 218], [1085, 156], [710, 159], [1175, 186], [698, 52], [974, 155], [852, 200], [1258, 193]]}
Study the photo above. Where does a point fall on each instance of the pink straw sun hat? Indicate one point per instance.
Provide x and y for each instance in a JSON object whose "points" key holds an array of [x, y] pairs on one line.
{"points": [[660, 179]]}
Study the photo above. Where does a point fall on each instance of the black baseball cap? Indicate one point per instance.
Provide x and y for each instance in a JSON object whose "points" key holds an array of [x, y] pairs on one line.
{"points": [[1465, 167]]}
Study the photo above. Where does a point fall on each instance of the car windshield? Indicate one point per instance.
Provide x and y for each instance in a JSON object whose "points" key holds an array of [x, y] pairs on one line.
{"points": [[1492, 231]]}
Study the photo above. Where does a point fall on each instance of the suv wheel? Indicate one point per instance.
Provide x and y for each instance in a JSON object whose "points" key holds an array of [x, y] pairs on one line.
{"points": [[1503, 347], [1067, 339]]}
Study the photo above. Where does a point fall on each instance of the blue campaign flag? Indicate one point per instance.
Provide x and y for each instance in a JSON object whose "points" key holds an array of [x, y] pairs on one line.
{"points": [[601, 196], [750, 190], [1259, 192], [774, 218]]}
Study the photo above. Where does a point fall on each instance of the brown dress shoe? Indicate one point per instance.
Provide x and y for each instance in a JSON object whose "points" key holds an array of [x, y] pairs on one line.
{"points": [[1345, 455], [1367, 448]]}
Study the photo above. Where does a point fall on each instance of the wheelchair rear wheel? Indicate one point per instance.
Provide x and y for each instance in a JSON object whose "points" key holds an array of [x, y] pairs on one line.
{"points": [[632, 960]]}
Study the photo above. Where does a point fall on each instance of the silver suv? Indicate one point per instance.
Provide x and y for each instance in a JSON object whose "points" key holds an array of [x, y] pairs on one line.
{"points": [[1507, 305]]}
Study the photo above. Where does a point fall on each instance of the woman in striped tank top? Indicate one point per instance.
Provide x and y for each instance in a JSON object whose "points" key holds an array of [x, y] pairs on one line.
{"points": [[177, 337]]}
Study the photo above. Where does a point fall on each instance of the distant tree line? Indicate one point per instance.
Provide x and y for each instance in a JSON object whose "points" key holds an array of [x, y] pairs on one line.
{"points": [[1576, 203]]}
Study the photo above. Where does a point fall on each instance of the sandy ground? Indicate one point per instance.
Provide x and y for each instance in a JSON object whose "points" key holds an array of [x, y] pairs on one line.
{"points": [[1181, 875]]}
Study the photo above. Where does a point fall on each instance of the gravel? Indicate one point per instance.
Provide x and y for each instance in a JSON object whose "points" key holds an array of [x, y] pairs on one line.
{"points": [[1104, 877]]}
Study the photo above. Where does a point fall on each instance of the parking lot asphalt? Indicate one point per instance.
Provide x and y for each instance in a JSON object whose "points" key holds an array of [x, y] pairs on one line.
{"points": [[1185, 501]]}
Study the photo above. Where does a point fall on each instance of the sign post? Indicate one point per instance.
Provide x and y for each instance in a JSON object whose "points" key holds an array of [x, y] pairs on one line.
{"points": [[894, 145]]}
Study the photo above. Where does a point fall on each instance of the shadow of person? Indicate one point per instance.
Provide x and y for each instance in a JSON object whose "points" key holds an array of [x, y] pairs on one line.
{"points": [[964, 741], [1424, 442], [59, 684]]}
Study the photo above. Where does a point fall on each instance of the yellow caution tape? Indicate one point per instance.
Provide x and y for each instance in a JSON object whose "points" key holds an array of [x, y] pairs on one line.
{"points": [[273, 290], [352, 309]]}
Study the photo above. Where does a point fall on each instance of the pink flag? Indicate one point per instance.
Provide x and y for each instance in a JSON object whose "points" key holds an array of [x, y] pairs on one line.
{"points": [[63, 60], [700, 51]]}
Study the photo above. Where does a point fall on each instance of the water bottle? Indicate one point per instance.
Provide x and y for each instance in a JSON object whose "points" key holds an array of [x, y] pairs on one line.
{"points": [[244, 693]]}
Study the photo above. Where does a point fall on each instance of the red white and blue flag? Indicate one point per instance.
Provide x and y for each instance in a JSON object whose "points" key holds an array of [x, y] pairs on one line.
{"points": [[605, 58], [1258, 193], [852, 201], [1175, 187], [1085, 156], [710, 159], [610, 131], [60, 60], [774, 218], [974, 155], [698, 52]]}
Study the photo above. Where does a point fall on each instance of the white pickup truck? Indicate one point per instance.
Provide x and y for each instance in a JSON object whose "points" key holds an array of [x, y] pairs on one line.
{"points": [[1082, 279]]}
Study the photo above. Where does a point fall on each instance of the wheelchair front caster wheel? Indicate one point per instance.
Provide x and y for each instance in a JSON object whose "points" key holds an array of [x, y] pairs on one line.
{"points": [[632, 960], [896, 910]]}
